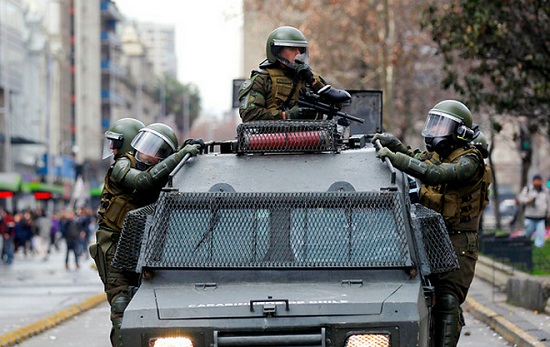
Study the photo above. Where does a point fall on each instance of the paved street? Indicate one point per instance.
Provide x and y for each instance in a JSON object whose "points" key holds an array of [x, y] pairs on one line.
{"points": [[33, 289]]}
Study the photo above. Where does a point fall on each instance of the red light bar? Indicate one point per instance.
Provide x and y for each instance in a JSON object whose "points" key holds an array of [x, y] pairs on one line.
{"points": [[295, 140], [5, 195], [42, 195]]}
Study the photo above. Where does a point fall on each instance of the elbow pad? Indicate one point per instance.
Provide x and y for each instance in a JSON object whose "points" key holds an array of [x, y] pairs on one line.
{"points": [[158, 174]]}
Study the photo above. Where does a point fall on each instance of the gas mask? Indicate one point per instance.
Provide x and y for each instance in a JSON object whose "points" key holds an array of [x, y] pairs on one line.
{"points": [[442, 145]]}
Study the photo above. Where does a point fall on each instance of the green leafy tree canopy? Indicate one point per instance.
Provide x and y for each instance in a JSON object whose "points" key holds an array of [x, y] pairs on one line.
{"points": [[179, 98], [496, 53]]}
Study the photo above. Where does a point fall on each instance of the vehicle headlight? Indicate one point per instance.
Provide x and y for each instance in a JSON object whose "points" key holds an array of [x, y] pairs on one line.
{"points": [[171, 342], [368, 340]]}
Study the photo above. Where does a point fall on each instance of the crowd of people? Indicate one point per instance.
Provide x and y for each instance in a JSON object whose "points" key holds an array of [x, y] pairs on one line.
{"points": [[35, 233]]}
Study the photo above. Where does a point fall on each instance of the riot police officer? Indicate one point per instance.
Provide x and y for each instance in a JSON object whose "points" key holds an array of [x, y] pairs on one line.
{"points": [[143, 159], [455, 183], [273, 89]]}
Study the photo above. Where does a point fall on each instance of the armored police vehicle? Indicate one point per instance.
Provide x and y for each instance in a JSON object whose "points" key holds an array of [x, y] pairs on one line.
{"points": [[294, 234]]}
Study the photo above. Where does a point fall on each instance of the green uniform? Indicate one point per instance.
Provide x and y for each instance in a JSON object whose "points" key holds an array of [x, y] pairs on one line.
{"points": [[125, 188], [270, 91], [457, 187], [117, 198], [455, 183]]}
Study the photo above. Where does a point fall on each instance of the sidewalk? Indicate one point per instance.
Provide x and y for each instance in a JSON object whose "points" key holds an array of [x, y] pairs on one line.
{"points": [[520, 326], [36, 295]]}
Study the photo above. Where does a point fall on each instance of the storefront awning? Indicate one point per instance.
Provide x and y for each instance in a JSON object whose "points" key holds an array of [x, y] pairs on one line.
{"points": [[43, 187]]}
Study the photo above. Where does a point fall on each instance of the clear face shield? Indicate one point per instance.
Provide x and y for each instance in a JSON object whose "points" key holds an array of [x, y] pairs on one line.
{"points": [[151, 147], [439, 125], [111, 143], [291, 56]]}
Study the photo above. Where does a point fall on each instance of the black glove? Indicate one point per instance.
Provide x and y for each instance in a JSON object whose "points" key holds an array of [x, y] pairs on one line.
{"points": [[297, 112], [304, 72], [199, 143]]}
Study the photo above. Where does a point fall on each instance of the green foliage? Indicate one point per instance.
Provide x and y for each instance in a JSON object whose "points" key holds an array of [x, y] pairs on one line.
{"points": [[179, 98], [496, 53], [541, 260]]}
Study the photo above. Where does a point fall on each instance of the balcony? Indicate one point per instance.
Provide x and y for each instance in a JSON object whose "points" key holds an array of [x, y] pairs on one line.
{"points": [[109, 68], [111, 97], [109, 38], [110, 11]]}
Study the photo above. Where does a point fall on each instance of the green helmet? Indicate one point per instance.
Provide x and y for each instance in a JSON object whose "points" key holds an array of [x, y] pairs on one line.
{"points": [[449, 117], [285, 36], [154, 143], [481, 143], [120, 135]]}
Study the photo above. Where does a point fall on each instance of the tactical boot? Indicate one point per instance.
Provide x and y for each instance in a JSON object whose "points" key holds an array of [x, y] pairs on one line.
{"points": [[446, 315]]}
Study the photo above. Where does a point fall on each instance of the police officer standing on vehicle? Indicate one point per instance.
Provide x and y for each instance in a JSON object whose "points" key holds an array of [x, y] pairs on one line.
{"points": [[455, 182], [272, 91], [143, 159]]}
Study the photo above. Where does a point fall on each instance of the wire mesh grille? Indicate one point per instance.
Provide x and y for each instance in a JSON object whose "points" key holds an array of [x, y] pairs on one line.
{"points": [[129, 244], [331, 229], [435, 248], [287, 136]]}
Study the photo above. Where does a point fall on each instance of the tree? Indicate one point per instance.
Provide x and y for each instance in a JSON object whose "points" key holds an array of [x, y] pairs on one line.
{"points": [[506, 45], [179, 99], [495, 54]]}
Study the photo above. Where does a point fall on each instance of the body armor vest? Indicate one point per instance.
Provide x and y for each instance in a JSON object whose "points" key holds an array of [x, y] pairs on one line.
{"points": [[116, 201], [285, 90], [460, 204]]}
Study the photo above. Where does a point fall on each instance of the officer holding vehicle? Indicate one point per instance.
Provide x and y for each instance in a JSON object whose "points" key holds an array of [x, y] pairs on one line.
{"points": [[143, 159], [272, 91], [455, 182]]}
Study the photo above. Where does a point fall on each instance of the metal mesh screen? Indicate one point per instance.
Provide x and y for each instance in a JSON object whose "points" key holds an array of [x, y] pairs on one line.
{"points": [[434, 245], [331, 229], [287, 136], [129, 244]]}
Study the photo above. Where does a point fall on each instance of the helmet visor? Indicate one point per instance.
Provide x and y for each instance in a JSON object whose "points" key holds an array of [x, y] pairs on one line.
{"points": [[291, 56], [438, 125], [151, 144], [112, 141]]}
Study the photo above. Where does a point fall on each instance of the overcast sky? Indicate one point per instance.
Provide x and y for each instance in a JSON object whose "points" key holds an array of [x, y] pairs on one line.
{"points": [[208, 42]]}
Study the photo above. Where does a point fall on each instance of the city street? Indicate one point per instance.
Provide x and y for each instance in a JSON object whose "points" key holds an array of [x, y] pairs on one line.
{"points": [[32, 289]]}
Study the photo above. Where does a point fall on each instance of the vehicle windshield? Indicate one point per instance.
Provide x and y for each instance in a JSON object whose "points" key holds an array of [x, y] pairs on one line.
{"points": [[227, 230]]}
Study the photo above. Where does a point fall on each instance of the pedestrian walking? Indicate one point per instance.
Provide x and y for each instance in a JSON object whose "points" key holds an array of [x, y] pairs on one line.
{"points": [[535, 200], [7, 230], [71, 233], [55, 231], [43, 225]]}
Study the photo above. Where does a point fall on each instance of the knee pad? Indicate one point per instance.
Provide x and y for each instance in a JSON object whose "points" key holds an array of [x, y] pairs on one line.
{"points": [[119, 304], [447, 303]]}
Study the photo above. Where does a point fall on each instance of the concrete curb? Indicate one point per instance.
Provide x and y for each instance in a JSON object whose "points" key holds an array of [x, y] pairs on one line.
{"points": [[19, 335], [509, 331]]}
